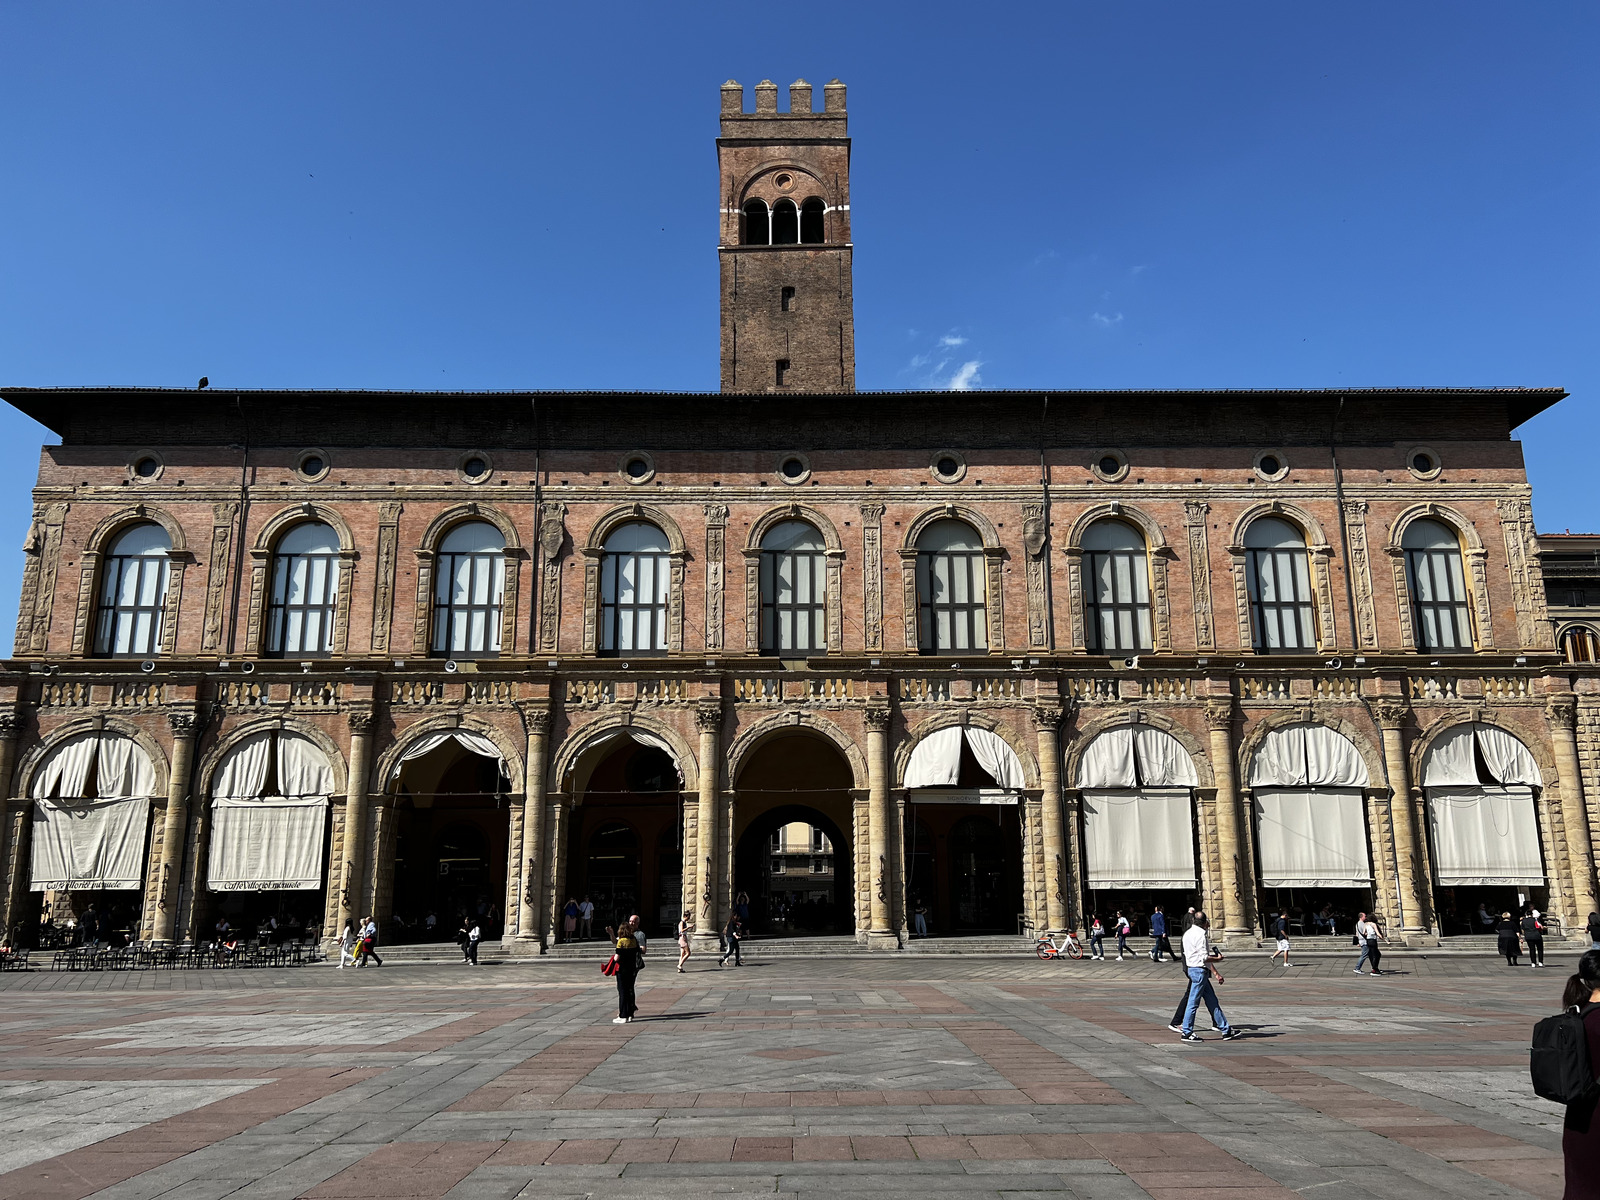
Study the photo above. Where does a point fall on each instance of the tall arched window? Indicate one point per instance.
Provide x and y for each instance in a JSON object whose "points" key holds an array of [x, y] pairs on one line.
{"points": [[757, 230], [635, 572], [468, 583], [812, 227], [950, 583], [793, 590], [1438, 586], [1116, 588], [1580, 645], [785, 224], [1278, 576], [305, 591], [133, 594]]}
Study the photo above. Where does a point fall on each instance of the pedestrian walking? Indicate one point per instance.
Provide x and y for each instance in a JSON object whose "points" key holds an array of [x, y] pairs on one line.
{"points": [[369, 941], [1533, 936], [1580, 1136], [469, 948], [569, 919], [628, 953], [1280, 930], [347, 944], [586, 919], [685, 928], [1160, 942], [1097, 939], [1197, 962], [1510, 943], [1368, 933], [732, 935], [1124, 928]]}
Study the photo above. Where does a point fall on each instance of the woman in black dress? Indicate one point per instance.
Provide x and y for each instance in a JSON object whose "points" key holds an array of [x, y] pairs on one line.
{"points": [[1509, 945], [1580, 1140]]}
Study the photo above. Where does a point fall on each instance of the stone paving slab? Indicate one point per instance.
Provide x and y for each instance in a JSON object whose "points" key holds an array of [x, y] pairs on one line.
{"points": [[807, 1077]]}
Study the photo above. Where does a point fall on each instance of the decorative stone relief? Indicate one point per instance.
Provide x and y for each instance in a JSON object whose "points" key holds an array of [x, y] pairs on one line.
{"points": [[1241, 595], [835, 600], [1074, 557], [1159, 560], [419, 631], [1360, 568], [872, 574], [222, 519], [908, 597], [383, 582], [716, 555], [1478, 565], [1195, 511], [47, 540], [552, 536], [1534, 629], [994, 598], [1036, 544], [1402, 597], [1322, 580], [752, 600]]}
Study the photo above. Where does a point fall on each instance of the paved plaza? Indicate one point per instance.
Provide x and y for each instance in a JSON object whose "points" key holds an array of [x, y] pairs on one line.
{"points": [[903, 1075]]}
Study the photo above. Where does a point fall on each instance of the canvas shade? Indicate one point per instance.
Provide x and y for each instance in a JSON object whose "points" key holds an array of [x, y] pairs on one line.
{"points": [[1133, 756], [1139, 839], [936, 759], [1450, 761], [262, 843], [1307, 755], [1484, 836], [641, 737], [1312, 837], [82, 843]]}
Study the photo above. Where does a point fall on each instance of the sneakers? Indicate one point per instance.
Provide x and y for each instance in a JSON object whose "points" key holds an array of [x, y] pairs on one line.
{"points": [[1119, 958], [1357, 971], [619, 1020], [1189, 1037], [1231, 1034], [1175, 1028]]}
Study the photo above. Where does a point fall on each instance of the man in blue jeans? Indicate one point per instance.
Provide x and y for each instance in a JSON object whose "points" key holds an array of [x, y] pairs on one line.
{"points": [[1197, 962]]}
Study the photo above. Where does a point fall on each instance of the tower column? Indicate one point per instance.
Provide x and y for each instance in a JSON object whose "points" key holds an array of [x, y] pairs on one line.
{"points": [[351, 884], [1562, 715], [1391, 716], [880, 813], [707, 821], [536, 719], [175, 828], [1219, 723], [1047, 721]]}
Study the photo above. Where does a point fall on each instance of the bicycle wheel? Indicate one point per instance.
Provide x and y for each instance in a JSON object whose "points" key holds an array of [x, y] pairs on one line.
{"points": [[1074, 950], [1044, 949]]}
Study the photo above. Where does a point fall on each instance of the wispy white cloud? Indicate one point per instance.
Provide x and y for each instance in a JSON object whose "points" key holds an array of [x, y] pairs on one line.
{"points": [[966, 376], [1140, 269], [1104, 321], [952, 339]]}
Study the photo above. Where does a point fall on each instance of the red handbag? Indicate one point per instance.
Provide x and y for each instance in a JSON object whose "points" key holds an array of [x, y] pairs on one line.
{"points": [[609, 967]]}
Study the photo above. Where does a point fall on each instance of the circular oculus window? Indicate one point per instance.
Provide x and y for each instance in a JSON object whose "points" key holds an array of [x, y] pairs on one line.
{"points": [[474, 467], [948, 466], [1111, 466], [637, 467], [1271, 465], [794, 468], [146, 467], [312, 466], [1423, 462]]}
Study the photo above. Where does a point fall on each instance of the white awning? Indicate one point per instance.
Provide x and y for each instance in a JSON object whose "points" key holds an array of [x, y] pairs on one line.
{"points": [[474, 743], [1307, 755], [1139, 839], [641, 737], [1133, 756], [1450, 761], [936, 759], [264, 843], [91, 843], [1312, 837], [1485, 836]]}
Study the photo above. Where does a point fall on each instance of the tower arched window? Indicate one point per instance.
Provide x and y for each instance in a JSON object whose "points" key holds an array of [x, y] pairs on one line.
{"points": [[1438, 586], [468, 584], [1580, 644], [785, 224], [757, 228], [305, 591], [635, 574], [950, 589], [133, 593], [1116, 588], [812, 228], [1278, 578], [793, 590]]}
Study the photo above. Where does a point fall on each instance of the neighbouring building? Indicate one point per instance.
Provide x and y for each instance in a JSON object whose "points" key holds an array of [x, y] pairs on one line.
{"points": [[1009, 657]]}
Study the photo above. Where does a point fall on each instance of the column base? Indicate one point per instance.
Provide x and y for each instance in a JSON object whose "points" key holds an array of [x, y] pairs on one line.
{"points": [[703, 943], [882, 940], [1419, 939], [523, 945]]}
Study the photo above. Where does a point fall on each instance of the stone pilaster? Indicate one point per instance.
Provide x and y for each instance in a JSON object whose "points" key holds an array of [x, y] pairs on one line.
{"points": [[168, 874], [536, 720], [709, 718], [1230, 846], [351, 882], [1561, 713], [880, 817], [1047, 722], [1391, 717]]}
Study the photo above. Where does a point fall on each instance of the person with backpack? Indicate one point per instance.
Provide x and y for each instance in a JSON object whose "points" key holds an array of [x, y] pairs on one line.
{"points": [[1564, 1063], [1533, 936], [732, 935], [1097, 939], [1158, 935], [1124, 928], [1280, 931]]}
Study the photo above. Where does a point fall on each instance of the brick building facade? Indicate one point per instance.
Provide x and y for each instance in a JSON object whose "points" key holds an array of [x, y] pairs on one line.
{"points": [[1019, 655]]}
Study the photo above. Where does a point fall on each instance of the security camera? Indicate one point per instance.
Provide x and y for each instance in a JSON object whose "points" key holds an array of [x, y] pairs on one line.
{"points": [[1335, 663]]}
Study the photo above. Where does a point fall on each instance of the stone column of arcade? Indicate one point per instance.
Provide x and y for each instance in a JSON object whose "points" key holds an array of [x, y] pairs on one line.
{"points": [[1562, 715], [13, 825], [1047, 720], [175, 829], [1219, 722], [536, 718], [880, 815], [355, 817], [1391, 716], [707, 822]]}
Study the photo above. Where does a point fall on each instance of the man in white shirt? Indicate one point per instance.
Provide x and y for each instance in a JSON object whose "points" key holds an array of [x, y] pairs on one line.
{"points": [[1368, 933], [1197, 963], [586, 919]]}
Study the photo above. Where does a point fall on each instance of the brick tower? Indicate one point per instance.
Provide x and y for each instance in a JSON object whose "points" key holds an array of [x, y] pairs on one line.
{"points": [[787, 310]]}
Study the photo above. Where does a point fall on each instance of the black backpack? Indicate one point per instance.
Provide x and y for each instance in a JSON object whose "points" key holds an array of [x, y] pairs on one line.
{"points": [[1558, 1061]]}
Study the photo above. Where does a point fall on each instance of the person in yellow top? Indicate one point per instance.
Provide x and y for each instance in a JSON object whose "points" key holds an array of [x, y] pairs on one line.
{"points": [[628, 951]]}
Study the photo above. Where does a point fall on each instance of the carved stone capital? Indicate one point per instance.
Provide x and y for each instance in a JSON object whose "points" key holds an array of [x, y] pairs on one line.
{"points": [[10, 723], [535, 717], [361, 720], [1047, 717], [708, 717], [1390, 714], [877, 717], [1219, 715], [184, 721], [1562, 711]]}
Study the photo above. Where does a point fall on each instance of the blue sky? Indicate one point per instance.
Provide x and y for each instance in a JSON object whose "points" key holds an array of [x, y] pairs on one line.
{"points": [[1067, 195]]}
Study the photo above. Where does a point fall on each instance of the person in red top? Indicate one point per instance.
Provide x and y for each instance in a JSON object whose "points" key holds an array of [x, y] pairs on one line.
{"points": [[1580, 1139]]}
